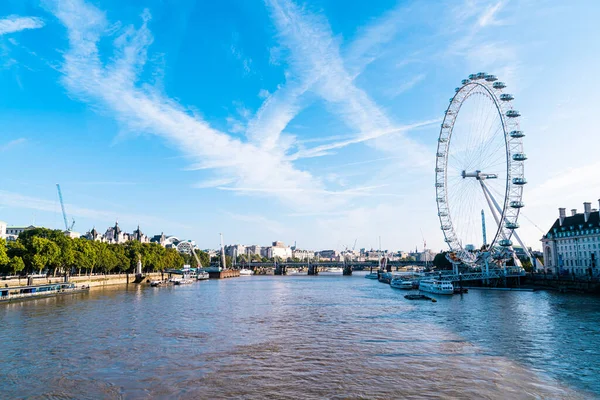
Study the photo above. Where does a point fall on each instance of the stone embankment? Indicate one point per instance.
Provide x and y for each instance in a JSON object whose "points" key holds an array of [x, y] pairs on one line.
{"points": [[581, 284], [92, 281]]}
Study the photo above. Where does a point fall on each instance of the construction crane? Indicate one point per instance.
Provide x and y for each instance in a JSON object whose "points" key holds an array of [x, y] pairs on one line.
{"points": [[62, 205]]}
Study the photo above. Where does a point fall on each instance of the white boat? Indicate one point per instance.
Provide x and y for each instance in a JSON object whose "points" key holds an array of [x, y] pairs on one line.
{"points": [[246, 271], [436, 286], [400, 283], [335, 269], [202, 275], [182, 281]]}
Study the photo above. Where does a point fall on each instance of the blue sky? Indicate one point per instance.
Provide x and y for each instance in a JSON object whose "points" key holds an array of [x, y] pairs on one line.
{"points": [[314, 122]]}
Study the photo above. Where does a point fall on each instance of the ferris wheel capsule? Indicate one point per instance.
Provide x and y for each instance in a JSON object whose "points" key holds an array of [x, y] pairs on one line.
{"points": [[499, 85], [513, 114], [491, 78], [465, 81], [506, 97], [517, 134]]}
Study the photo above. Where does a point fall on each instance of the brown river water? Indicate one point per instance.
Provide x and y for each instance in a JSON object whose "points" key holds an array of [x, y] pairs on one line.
{"points": [[299, 337]]}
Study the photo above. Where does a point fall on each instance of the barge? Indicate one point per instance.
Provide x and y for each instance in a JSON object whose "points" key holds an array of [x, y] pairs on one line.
{"points": [[20, 293]]}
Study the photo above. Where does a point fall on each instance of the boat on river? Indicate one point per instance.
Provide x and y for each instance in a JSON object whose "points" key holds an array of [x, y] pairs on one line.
{"points": [[401, 283], [246, 271], [385, 277], [182, 281], [436, 286], [9, 294], [335, 269], [201, 275], [371, 275], [419, 297]]}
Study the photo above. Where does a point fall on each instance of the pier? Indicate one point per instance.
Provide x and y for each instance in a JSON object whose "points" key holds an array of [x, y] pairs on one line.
{"points": [[226, 273]]}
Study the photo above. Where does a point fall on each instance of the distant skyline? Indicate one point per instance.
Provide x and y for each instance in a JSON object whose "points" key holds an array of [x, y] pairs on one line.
{"points": [[315, 122]]}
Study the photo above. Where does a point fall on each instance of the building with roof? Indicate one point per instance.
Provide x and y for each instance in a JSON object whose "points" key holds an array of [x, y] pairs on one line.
{"points": [[139, 236], [572, 244], [12, 232]]}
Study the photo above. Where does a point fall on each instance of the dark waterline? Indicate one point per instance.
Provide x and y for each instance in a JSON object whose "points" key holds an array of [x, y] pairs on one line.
{"points": [[299, 337]]}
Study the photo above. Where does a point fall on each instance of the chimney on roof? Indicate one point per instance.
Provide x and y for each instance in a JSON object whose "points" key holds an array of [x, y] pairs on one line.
{"points": [[587, 209], [562, 214], [573, 212]]}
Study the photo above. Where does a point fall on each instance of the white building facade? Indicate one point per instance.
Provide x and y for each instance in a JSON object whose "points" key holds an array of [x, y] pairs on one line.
{"points": [[2, 230], [572, 244]]}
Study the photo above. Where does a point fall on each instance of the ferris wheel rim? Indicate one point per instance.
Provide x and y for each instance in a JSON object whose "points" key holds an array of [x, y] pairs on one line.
{"points": [[513, 147]]}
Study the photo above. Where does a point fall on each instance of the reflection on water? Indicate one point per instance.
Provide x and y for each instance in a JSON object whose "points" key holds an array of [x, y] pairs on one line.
{"points": [[299, 337]]}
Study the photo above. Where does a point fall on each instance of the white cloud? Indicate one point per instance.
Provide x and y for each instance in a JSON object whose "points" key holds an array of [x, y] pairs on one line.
{"points": [[406, 85], [488, 17], [13, 23], [260, 221], [16, 200], [11, 144], [262, 164], [263, 93], [366, 136], [318, 65]]}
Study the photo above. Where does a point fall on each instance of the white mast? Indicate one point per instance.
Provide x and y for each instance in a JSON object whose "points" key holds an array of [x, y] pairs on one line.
{"points": [[223, 259], [379, 253]]}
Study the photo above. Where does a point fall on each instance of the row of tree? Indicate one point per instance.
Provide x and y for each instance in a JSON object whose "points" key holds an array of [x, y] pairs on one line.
{"points": [[42, 250]]}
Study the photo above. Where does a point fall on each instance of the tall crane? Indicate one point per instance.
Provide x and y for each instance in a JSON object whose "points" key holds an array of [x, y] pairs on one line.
{"points": [[62, 205]]}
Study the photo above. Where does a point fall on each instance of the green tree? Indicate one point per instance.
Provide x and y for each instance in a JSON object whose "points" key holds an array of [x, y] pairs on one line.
{"points": [[46, 252], [16, 265], [3, 253], [172, 259]]}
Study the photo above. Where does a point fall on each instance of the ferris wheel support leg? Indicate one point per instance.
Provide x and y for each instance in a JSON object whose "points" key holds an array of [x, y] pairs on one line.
{"points": [[489, 196]]}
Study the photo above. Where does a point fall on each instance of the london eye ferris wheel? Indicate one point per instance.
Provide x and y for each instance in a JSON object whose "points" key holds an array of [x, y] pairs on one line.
{"points": [[480, 170]]}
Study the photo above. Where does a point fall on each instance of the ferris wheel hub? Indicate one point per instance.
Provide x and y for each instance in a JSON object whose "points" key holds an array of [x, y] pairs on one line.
{"points": [[480, 176]]}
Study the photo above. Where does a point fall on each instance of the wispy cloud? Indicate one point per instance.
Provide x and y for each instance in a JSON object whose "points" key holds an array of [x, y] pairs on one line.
{"points": [[14, 23], [488, 17], [260, 221], [316, 60], [239, 55], [11, 144], [406, 85], [16, 200], [142, 108], [366, 136]]}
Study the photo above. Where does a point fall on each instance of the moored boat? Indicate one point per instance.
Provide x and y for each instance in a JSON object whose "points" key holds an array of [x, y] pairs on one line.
{"points": [[436, 286], [9, 294], [371, 275], [246, 271], [202, 275], [385, 277], [401, 283]]}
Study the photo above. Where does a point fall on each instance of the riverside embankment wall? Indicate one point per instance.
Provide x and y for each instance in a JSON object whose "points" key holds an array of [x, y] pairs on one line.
{"points": [[92, 281]]}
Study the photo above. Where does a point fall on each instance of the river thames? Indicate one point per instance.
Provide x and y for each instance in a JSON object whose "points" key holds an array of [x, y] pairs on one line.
{"points": [[297, 337]]}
